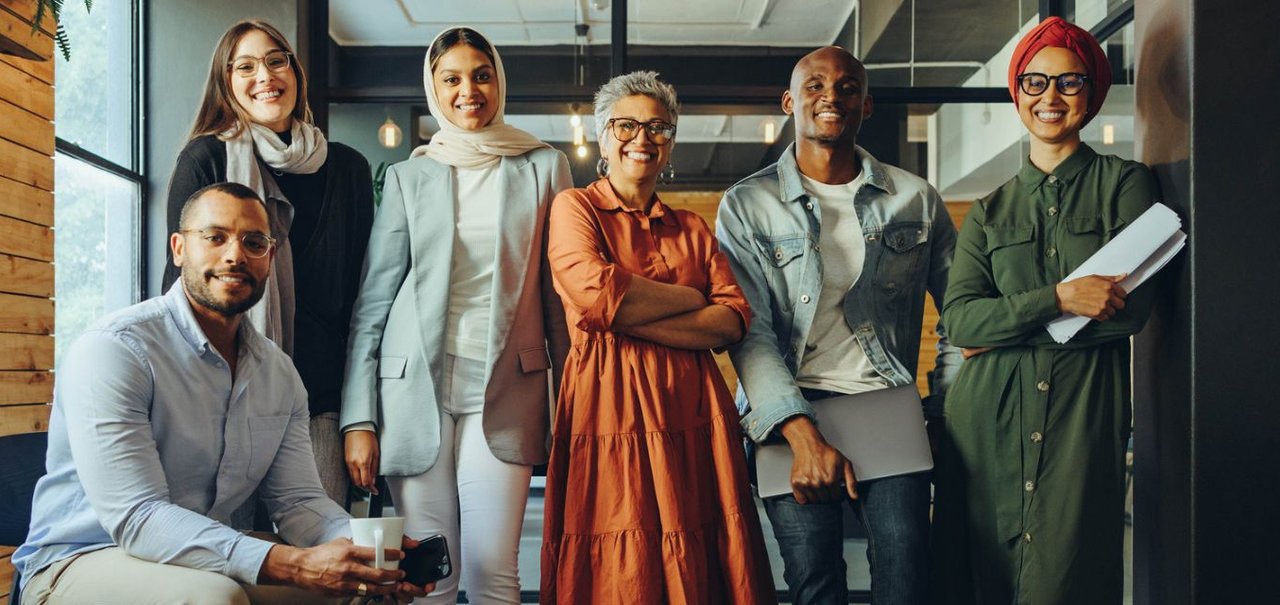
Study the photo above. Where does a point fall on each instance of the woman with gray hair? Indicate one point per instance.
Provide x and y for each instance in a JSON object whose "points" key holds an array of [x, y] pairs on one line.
{"points": [[647, 497]]}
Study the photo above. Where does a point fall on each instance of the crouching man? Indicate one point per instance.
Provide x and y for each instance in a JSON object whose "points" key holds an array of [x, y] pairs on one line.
{"points": [[167, 416]]}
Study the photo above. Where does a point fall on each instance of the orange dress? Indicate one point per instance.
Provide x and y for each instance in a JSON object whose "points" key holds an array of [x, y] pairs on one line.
{"points": [[647, 495]]}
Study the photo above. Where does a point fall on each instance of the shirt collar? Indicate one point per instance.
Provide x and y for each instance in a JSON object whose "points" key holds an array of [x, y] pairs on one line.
{"points": [[1033, 177], [603, 196], [185, 318], [792, 186]]}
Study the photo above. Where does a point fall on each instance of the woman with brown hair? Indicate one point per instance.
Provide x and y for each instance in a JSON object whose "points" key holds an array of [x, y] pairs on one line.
{"points": [[254, 128]]}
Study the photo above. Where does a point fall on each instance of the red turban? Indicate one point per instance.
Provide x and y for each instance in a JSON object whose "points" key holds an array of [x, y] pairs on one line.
{"points": [[1055, 32]]}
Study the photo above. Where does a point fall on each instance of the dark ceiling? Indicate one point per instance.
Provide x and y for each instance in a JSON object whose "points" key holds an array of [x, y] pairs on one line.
{"points": [[727, 79]]}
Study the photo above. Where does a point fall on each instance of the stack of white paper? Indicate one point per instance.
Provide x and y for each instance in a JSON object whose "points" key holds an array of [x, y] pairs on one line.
{"points": [[1140, 250]]}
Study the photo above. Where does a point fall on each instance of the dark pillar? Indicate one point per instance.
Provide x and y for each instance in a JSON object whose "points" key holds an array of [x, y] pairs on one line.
{"points": [[313, 52], [618, 38], [1207, 414]]}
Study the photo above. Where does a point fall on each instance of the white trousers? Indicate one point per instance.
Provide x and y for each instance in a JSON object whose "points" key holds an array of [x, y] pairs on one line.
{"points": [[474, 499]]}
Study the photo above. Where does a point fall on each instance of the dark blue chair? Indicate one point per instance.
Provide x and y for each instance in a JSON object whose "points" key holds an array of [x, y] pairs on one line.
{"points": [[21, 465]]}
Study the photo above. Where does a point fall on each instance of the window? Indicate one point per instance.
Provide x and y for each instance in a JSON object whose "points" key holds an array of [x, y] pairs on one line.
{"points": [[98, 187]]}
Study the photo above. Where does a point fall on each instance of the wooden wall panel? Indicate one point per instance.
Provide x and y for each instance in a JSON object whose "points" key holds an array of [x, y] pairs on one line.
{"points": [[24, 90], [26, 166], [25, 276], [26, 314], [26, 352], [28, 240], [19, 419], [26, 10], [25, 202], [25, 128], [20, 388], [17, 27]]}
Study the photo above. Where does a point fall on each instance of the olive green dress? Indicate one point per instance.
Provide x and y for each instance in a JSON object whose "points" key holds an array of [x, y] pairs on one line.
{"points": [[1030, 478]]}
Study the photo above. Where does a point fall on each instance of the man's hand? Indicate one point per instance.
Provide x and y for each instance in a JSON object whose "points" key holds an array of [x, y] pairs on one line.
{"points": [[1095, 296], [362, 459], [337, 568], [817, 469]]}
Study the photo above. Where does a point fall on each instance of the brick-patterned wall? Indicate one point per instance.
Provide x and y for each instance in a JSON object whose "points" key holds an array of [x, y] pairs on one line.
{"points": [[26, 233], [704, 204]]}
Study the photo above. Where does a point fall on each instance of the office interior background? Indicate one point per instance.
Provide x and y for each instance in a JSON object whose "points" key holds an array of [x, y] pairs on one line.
{"points": [[87, 144]]}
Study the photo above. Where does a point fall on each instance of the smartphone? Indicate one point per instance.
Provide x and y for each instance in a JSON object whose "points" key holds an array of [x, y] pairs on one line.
{"points": [[427, 563]]}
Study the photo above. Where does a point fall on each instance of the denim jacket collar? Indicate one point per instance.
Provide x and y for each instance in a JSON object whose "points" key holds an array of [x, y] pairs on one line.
{"points": [[792, 187]]}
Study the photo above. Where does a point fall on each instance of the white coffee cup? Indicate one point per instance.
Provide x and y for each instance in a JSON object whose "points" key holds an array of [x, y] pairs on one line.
{"points": [[380, 533]]}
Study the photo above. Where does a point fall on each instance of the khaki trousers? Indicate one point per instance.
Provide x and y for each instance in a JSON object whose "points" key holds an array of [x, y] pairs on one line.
{"points": [[110, 576]]}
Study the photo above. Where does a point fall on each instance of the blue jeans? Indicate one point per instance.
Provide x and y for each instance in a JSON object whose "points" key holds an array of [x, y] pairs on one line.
{"points": [[895, 513]]}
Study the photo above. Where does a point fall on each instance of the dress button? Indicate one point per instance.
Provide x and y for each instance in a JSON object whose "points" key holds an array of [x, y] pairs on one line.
{"points": [[1026, 538], [1053, 179], [804, 298], [1051, 252], [1053, 211], [1043, 386], [1036, 437], [1030, 486]]}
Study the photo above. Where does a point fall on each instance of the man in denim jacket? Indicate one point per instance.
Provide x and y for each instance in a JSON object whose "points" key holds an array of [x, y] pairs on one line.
{"points": [[835, 251]]}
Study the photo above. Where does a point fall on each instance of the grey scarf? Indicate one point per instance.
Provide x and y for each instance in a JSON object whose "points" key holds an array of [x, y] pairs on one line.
{"points": [[247, 151]]}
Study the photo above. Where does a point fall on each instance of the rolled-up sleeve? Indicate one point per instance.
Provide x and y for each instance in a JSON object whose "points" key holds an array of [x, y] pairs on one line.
{"points": [[589, 283], [106, 406]]}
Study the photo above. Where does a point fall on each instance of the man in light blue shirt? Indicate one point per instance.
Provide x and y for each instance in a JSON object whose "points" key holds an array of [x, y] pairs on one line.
{"points": [[168, 415], [835, 251]]}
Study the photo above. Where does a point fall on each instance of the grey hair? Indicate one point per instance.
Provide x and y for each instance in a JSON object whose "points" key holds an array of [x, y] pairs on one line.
{"points": [[635, 83]]}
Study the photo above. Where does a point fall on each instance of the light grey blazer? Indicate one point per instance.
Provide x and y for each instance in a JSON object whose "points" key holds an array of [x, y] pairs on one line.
{"points": [[395, 353]]}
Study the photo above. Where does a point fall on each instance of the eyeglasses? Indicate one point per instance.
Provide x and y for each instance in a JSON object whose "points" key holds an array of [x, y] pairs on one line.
{"points": [[247, 66], [625, 129], [254, 244], [1069, 84]]}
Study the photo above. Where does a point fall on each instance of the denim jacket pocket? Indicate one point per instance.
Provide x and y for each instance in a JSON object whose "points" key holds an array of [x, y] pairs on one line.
{"points": [[902, 253], [784, 262]]}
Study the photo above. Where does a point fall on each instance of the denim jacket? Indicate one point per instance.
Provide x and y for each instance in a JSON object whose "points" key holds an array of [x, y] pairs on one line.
{"points": [[768, 227]]}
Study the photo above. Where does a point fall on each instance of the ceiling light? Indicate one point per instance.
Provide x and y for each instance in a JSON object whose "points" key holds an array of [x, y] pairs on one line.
{"points": [[770, 132], [582, 151], [579, 134], [389, 134], [1108, 134], [575, 120]]}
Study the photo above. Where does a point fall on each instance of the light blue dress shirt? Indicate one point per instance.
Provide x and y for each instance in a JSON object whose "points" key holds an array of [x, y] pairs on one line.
{"points": [[152, 445]]}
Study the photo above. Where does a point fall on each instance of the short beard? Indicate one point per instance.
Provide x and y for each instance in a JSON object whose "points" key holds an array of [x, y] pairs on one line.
{"points": [[196, 284]]}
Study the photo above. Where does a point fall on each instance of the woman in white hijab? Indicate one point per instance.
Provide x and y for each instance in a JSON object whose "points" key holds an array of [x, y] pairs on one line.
{"points": [[457, 325], [254, 128]]}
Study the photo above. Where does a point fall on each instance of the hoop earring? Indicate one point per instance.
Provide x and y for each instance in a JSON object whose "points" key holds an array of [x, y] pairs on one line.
{"points": [[667, 175], [602, 167]]}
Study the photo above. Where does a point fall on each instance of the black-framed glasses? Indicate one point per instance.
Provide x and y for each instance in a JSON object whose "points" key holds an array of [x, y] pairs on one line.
{"points": [[625, 129], [247, 66], [1069, 84], [254, 244]]}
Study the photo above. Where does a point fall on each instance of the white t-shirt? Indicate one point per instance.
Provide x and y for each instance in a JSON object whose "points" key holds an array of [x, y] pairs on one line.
{"points": [[834, 359], [475, 246]]}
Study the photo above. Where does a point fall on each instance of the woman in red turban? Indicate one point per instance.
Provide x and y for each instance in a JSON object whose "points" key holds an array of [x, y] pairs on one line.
{"points": [[1029, 505]]}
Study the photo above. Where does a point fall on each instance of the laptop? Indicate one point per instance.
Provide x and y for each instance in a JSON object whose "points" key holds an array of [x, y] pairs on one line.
{"points": [[881, 432]]}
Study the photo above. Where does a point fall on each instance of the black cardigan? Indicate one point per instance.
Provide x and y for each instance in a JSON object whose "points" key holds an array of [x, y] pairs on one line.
{"points": [[333, 214]]}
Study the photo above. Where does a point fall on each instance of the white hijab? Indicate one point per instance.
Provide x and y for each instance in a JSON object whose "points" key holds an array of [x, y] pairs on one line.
{"points": [[462, 148]]}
